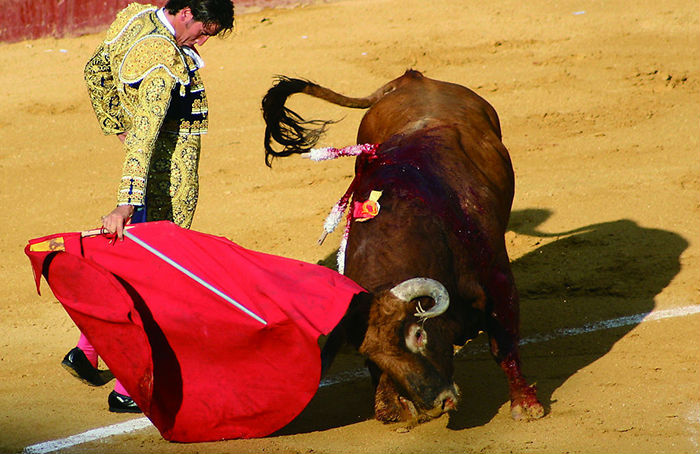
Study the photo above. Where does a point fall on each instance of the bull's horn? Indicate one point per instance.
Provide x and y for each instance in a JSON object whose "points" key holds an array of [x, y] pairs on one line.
{"points": [[423, 286]]}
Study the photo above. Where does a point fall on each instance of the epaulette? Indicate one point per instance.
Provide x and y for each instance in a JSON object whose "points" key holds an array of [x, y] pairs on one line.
{"points": [[152, 52], [128, 18]]}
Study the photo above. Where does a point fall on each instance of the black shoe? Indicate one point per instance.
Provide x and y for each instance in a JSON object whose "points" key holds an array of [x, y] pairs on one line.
{"points": [[119, 403], [79, 366]]}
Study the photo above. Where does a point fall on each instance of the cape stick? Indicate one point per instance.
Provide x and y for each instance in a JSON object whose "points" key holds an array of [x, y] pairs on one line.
{"points": [[193, 276]]}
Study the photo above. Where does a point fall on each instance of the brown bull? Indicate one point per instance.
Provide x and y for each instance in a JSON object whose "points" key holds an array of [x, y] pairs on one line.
{"points": [[446, 185]]}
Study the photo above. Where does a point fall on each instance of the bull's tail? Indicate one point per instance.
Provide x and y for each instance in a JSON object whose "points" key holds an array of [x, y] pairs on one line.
{"points": [[290, 130]]}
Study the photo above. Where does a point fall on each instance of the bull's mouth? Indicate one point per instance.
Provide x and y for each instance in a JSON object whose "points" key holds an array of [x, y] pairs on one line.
{"points": [[393, 404], [446, 401]]}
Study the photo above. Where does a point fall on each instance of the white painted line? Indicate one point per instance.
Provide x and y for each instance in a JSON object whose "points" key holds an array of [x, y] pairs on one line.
{"points": [[351, 375], [90, 435], [613, 323], [345, 376]]}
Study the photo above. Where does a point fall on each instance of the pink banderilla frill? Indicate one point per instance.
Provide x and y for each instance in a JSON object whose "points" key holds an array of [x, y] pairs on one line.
{"points": [[336, 214]]}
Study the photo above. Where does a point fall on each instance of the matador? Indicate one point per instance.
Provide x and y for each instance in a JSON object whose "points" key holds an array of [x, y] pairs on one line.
{"points": [[141, 82]]}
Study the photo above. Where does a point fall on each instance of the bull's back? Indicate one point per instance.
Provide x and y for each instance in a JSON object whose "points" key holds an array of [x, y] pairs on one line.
{"points": [[475, 161], [419, 98]]}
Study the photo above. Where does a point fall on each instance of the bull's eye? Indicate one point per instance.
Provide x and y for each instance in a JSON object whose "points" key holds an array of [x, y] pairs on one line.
{"points": [[416, 338]]}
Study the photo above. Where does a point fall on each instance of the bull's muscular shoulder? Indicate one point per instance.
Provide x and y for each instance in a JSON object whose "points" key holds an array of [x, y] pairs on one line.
{"points": [[149, 53]]}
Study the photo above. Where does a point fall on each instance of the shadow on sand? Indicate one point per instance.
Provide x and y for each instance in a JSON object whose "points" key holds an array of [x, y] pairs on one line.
{"points": [[570, 279]]}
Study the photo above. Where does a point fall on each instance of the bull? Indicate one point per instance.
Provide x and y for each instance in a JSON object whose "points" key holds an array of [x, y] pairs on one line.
{"points": [[433, 259]]}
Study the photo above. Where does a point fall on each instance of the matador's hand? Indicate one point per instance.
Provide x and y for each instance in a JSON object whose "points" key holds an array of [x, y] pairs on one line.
{"points": [[117, 219]]}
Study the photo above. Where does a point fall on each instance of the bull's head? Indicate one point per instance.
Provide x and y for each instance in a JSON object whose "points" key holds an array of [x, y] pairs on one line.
{"points": [[412, 346]]}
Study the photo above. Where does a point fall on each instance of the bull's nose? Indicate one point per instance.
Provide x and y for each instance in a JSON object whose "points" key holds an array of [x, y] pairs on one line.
{"points": [[449, 403], [447, 400]]}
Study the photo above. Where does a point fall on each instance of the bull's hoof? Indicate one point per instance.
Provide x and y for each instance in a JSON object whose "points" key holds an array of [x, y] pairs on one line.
{"points": [[527, 412], [527, 407]]}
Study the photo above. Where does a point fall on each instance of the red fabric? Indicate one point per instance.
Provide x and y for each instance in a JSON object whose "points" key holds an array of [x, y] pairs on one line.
{"points": [[196, 365]]}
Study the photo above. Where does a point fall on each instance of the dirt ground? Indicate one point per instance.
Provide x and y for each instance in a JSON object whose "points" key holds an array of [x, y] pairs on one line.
{"points": [[600, 110]]}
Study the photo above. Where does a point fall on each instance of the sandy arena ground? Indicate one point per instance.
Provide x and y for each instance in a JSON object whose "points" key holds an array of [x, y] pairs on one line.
{"points": [[600, 110]]}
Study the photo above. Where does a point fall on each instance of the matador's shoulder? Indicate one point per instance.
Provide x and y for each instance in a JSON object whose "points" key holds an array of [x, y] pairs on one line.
{"points": [[152, 52], [132, 20]]}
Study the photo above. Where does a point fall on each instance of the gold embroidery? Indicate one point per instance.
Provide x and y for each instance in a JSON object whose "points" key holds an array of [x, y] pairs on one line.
{"points": [[139, 60], [173, 182], [153, 98]]}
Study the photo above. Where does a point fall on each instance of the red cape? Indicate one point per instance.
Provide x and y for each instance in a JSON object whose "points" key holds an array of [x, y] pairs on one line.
{"points": [[199, 368]]}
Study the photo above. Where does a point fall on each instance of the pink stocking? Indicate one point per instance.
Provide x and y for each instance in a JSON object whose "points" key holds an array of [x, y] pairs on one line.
{"points": [[119, 388], [88, 349]]}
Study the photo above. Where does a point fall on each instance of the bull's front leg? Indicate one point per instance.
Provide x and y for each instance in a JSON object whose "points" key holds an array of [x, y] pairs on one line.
{"points": [[503, 328], [334, 342], [351, 328], [524, 404]]}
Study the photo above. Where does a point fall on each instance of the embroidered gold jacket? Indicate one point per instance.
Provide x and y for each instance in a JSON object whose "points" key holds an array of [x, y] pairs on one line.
{"points": [[141, 82]]}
